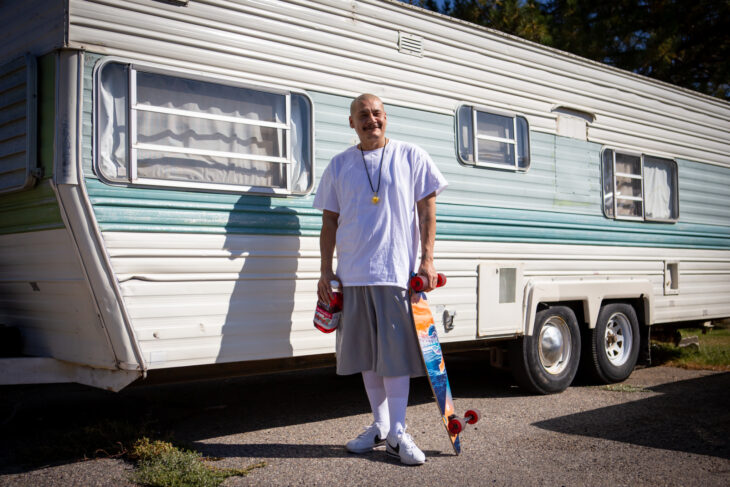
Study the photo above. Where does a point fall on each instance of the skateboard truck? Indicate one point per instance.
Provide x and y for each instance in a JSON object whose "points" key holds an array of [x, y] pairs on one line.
{"points": [[418, 283], [456, 425]]}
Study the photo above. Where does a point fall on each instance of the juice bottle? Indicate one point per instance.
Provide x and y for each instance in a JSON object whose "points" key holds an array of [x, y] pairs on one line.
{"points": [[327, 316]]}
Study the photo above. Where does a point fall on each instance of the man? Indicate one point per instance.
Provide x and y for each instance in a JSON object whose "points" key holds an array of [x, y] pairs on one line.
{"points": [[378, 200]]}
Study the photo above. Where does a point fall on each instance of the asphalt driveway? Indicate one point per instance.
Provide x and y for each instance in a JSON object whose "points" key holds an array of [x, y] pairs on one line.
{"points": [[664, 426]]}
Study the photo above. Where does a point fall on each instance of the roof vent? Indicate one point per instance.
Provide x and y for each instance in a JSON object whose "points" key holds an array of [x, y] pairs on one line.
{"points": [[410, 44]]}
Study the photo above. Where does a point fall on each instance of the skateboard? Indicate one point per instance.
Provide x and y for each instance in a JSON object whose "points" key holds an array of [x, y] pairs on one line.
{"points": [[433, 362]]}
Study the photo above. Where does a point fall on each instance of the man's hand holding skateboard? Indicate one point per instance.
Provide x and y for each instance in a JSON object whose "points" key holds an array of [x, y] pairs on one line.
{"points": [[418, 283], [427, 271]]}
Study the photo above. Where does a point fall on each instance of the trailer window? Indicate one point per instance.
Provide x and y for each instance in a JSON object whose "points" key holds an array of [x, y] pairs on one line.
{"points": [[167, 129], [489, 139], [639, 187]]}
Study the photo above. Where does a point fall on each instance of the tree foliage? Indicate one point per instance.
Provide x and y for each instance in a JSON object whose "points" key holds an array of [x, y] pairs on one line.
{"points": [[683, 42], [522, 18]]}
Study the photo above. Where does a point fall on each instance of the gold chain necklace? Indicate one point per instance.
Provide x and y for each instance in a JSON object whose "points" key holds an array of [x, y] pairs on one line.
{"points": [[375, 191]]}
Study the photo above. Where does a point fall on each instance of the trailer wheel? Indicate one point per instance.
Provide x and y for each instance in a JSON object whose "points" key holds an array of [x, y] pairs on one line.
{"points": [[547, 361], [612, 347]]}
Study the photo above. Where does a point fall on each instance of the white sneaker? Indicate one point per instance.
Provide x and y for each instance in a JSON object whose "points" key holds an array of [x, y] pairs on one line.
{"points": [[366, 441], [404, 449]]}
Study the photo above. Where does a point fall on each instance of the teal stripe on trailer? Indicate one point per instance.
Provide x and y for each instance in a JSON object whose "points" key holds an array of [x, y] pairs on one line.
{"points": [[152, 210], [149, 210], [526, 226]]}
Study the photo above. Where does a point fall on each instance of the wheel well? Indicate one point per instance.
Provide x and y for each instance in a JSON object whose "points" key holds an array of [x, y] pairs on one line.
{"points": [[575, 306], [637, 303], [579, 309]]}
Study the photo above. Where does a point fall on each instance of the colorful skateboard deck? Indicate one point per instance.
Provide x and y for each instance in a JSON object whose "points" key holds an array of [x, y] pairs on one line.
{"points": [[433, 361]]}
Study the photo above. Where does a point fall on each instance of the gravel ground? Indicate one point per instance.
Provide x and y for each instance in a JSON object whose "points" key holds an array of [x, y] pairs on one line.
{"points": [[667, 427]]}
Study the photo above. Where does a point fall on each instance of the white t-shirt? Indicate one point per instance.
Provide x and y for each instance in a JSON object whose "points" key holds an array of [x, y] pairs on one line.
{"points": [[377, 244]]}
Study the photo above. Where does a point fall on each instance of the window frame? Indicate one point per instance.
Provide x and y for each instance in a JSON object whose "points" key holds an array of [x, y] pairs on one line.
{"points": [[641, 156], [475, 137], [132, 145]]}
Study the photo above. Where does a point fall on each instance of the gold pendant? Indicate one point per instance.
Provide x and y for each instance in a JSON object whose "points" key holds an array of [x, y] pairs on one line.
{"points": [[375, 199]]}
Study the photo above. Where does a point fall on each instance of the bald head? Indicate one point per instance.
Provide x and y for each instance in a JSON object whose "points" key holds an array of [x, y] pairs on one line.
{"points": [[363, 98], [368, 118]]}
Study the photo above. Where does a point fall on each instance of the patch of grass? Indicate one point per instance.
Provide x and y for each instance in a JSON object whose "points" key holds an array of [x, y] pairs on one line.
{"points": [[623, 388], [714, 352], [159, 463]]}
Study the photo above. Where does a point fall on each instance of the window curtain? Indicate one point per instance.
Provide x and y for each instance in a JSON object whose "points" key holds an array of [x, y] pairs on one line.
{"points": [[182, 131], [607, 182], [112, 122], [301, 147], [657, 189]]}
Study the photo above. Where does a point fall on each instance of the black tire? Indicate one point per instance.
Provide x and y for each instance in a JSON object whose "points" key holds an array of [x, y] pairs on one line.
{"points": [[612, 347], [546, 362]]}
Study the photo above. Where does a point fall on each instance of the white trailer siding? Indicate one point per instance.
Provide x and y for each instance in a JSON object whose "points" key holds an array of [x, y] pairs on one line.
{"points": [[32, 26], [214, 298], [44, 292], [349, 47]]}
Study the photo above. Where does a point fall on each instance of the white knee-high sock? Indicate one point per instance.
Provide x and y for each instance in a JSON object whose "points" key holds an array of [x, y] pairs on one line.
{"points": [[396, 390], [378, 403]]}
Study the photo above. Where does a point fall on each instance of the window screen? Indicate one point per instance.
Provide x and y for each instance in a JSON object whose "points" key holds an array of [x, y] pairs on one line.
{"points": [[492, 140], [164, 129]]}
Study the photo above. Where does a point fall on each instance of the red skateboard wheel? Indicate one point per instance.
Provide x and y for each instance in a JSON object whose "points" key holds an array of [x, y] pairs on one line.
{"points": [[456, 426], [472, 416]]}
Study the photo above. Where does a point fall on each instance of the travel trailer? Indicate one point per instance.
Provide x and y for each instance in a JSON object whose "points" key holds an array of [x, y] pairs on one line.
{"points": [[158, 161]]}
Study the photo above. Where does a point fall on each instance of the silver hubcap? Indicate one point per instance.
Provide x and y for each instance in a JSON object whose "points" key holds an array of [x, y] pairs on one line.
{"points": [[618, 339], [554, 345]]}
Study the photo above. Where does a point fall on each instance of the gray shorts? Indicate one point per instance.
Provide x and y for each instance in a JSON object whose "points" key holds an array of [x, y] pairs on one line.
{"points": [[376, 333]]}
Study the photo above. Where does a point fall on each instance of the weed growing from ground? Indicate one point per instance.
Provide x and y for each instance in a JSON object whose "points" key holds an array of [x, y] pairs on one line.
{"points": [[159, 463]]}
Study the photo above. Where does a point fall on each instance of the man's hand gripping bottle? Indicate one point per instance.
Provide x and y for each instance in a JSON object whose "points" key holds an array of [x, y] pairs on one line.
{"points": [[327, 316]]}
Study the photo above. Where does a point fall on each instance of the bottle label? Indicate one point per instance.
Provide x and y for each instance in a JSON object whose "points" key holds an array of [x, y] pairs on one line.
{"points": [[326, 321], [327, 316]]}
